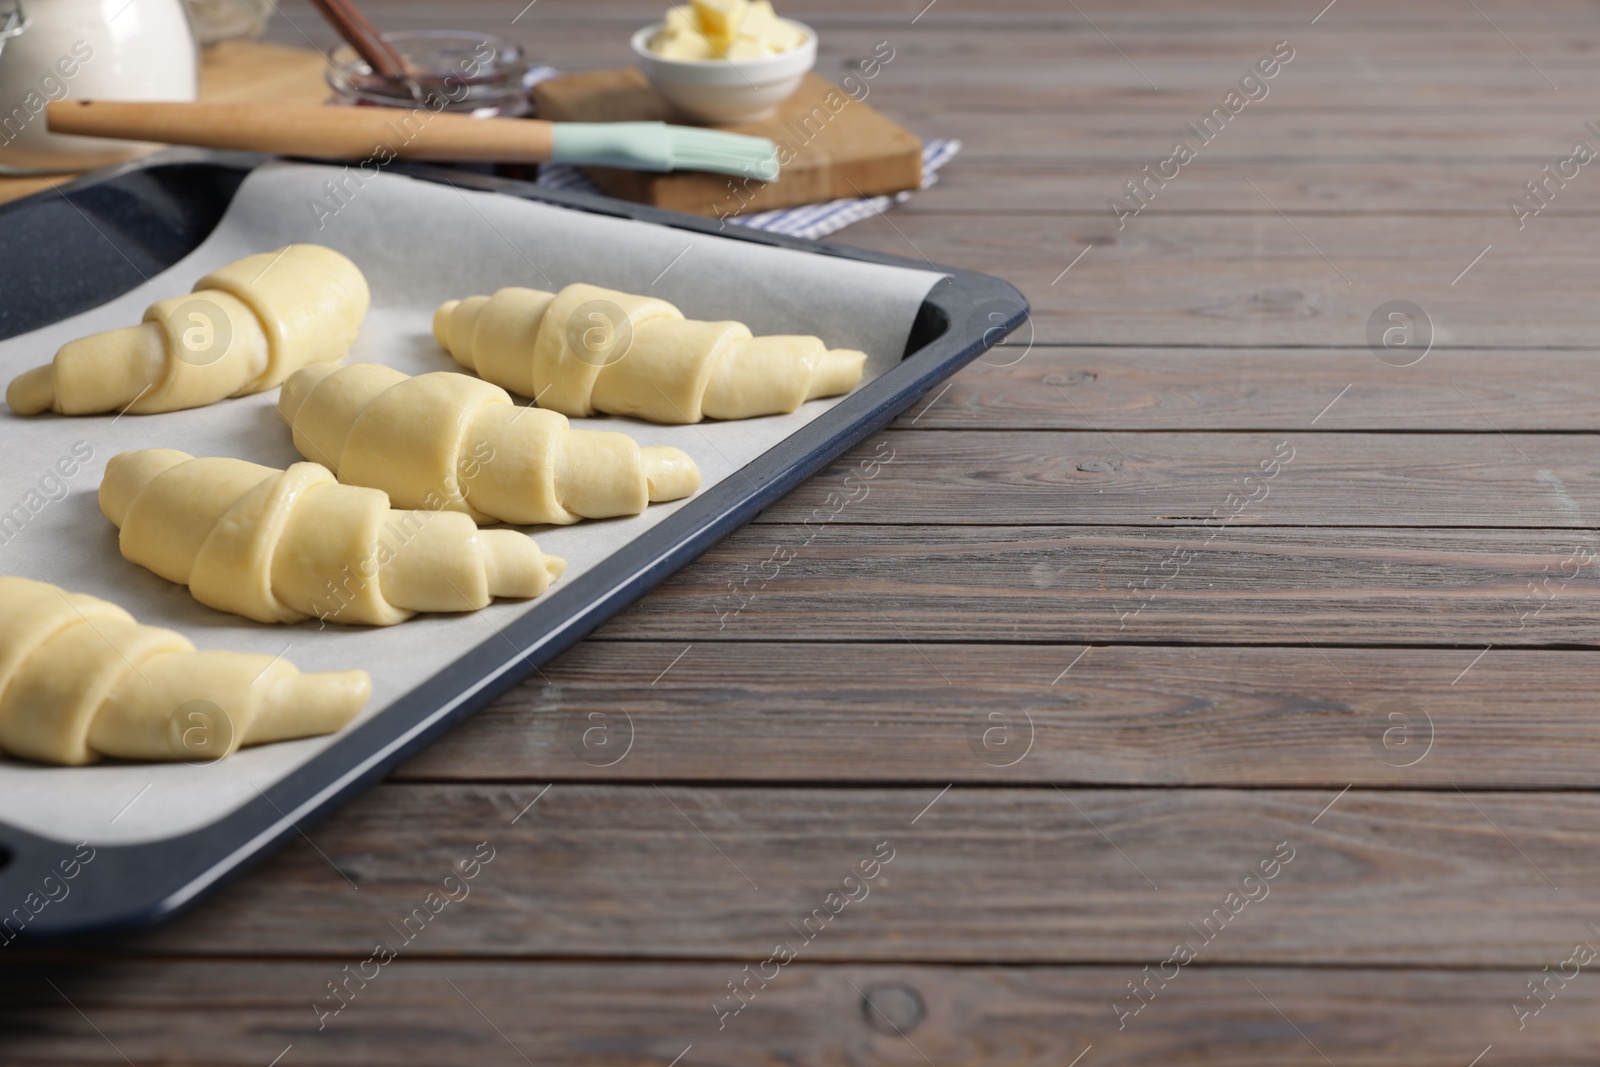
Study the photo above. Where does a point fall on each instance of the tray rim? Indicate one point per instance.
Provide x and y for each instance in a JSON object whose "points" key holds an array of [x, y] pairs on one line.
{"points": [[138, 885]]}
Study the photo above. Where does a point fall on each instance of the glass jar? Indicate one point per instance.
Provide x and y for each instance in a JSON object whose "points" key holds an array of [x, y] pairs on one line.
{"points": [[224, 20], [474, 73]]}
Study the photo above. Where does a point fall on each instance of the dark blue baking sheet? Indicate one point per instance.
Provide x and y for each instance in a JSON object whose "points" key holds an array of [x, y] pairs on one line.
{"points": [[108, 230]]}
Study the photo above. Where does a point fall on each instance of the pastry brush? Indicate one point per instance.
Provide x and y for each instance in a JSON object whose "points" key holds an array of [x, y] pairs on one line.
{"points": [[380, 134]]}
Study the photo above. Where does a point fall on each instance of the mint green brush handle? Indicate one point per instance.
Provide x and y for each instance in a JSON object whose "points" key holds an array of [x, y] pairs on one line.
{"points": [[656, 146]]}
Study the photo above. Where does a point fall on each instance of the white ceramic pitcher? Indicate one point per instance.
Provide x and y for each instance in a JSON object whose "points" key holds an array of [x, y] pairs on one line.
{"points": [[83, 50]]}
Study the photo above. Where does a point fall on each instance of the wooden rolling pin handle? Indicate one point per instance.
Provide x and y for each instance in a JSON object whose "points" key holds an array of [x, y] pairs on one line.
{"points": [[310, 130]]}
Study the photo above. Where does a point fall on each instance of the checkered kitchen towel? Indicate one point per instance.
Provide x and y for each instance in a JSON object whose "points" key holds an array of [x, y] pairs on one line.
{"points": [[810, 220]]}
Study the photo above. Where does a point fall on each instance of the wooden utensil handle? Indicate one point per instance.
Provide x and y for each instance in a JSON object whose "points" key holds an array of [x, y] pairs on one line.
{"points": [[310, 130], [369, 44]]}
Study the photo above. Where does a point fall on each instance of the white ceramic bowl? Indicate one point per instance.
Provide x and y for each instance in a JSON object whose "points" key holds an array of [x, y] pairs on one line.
{"points": [[727, 90]]}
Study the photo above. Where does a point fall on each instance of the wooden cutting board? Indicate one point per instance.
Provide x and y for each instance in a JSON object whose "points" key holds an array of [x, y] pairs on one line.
{"points": [[841, 146]]}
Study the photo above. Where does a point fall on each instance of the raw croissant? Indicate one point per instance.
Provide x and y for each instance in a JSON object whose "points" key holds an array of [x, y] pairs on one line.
{"points": [[451, 441], [245, 328], [80, 679], [588, 349], [283, 546]]}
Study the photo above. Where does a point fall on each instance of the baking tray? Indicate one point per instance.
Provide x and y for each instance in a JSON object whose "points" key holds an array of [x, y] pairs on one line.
{"points": [[158, 210]]}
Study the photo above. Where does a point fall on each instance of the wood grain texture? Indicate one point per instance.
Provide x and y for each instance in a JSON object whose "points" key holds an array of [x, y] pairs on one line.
{"points": [[1180, 16], [976, 598], [1124, 715], [1267, 281], [1089, 476], [1138, 137], [1299, 587], [255, 71], [305, 129], [1356, 76], [996, 874], [830, 146], [1238, 389], [609, 1015], [1415, 189]]}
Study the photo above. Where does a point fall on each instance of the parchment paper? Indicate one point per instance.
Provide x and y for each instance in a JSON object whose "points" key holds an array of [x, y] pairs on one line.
{"points": [[419, 243]]}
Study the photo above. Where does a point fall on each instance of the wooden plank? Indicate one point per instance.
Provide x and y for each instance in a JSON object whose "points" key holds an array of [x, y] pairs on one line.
{"points": [[1138, 14], [846, 149], [1416, 100], [245, 1012], [990, 871], [1296, 478], [985, 874], [257, 71], [914, 587], [1129, 715], [1244, 389], [1044, 65], [1419, 190], [1098, 134], [1263, 280]]}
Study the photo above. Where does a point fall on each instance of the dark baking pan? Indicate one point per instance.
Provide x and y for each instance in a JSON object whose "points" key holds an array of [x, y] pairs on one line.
{"points": [[68, 250]]}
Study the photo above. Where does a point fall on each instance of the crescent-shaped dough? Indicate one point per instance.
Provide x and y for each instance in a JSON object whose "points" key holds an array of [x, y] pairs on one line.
{"points": [[244, 329], [285, 546], [587, 349], [447, 440], [80, 679]]}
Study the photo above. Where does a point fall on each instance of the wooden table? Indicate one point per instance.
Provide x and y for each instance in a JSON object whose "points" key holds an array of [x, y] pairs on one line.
{"points": [[1192, 582]]}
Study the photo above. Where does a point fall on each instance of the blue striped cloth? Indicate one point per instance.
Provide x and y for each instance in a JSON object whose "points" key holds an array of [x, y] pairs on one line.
{"points": [[811, 221]]}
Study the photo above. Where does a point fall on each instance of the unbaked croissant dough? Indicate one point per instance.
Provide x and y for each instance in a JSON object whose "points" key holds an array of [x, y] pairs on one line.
{"points": [[588, 349], [447, 440], [284, 546], [80, 679], [243, 329]]}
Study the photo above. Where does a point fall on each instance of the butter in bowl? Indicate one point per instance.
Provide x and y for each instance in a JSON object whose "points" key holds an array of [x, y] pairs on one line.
{"points": [[725, 61]]}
